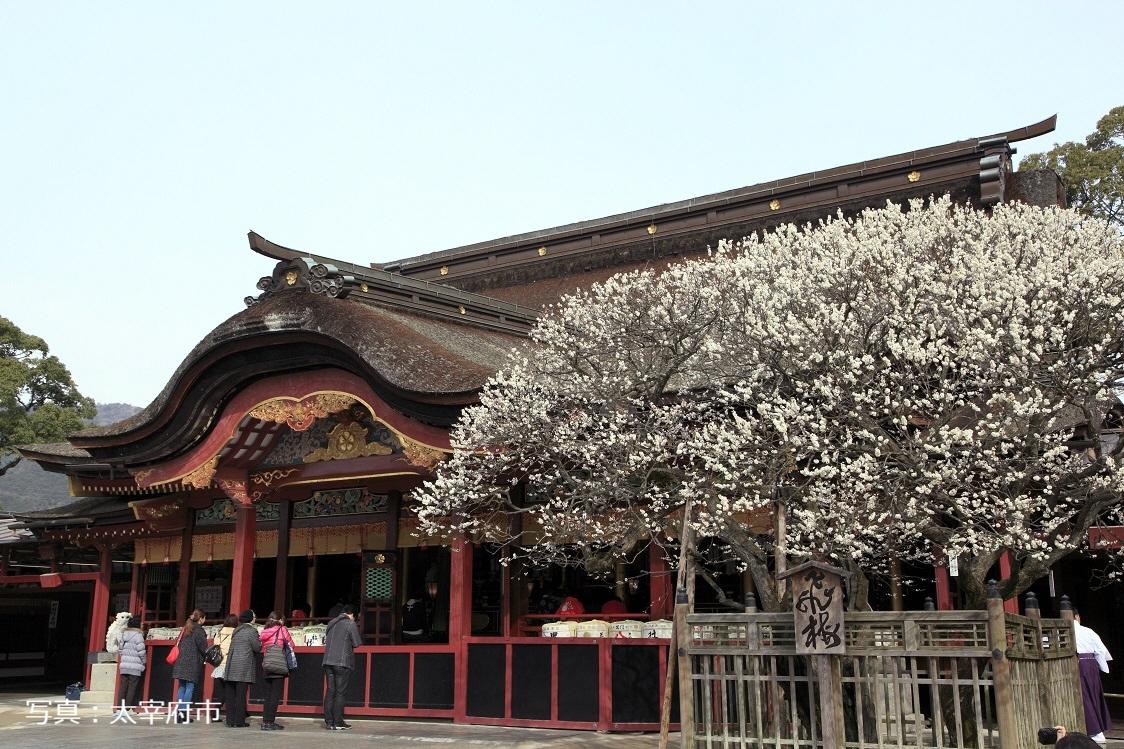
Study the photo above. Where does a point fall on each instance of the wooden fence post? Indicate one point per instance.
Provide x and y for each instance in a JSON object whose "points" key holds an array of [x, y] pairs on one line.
{"points": [[686, 690], [1001, 669], [1066, 610], [1050, 711]]}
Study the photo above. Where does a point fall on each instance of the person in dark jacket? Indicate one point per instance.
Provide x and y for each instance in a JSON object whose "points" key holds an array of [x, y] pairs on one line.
{"points": [[340, 640], [188, 668], [132, 657], [242, 668]]}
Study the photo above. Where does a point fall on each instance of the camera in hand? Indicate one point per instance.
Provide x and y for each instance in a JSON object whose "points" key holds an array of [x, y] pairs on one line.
{"points": [[1047, 736]]}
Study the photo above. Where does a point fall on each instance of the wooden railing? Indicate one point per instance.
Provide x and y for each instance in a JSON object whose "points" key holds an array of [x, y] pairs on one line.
{"points": [[922, 679]]}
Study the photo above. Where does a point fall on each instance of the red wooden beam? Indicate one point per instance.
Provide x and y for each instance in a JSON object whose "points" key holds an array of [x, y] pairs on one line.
{"points": [[1010, 605], [940, 574], [183, 576], [135, 599], [460, 620], [245, 531], [99, 607], [661, 584], [281, 578]]}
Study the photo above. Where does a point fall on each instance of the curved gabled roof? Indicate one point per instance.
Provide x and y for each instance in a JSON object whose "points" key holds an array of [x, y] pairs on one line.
{"points": [[414, 356]]}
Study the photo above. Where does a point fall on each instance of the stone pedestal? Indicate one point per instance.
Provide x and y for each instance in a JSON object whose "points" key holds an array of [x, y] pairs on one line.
{"points": [[103, 680]]}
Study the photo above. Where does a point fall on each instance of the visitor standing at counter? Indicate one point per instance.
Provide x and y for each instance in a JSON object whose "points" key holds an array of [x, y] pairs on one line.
{"points": [[222, 639], [340, 640], [275, 639], [188, 668], [242, 669]]}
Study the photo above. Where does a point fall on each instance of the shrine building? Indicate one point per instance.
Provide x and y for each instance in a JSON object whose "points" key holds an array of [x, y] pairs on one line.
{"points": [[275, 469]]}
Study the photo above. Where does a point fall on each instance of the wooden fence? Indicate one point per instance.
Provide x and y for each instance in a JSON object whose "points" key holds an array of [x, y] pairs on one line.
{"points": [[922, 679]]}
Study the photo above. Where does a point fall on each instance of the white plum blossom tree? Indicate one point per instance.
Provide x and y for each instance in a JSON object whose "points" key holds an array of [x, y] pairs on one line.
{"points": [[915, 378]]}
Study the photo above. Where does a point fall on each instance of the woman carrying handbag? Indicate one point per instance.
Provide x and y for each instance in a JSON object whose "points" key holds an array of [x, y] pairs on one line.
{"points": [[222, 642], [277, 660], [188, 666]]}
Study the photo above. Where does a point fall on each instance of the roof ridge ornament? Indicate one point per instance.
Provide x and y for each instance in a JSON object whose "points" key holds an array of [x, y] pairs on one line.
{"points": [[307, 275]]}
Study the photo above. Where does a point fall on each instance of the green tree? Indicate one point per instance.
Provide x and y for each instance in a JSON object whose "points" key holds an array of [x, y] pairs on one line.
{"points": [[39, 401], [1093, 171]]}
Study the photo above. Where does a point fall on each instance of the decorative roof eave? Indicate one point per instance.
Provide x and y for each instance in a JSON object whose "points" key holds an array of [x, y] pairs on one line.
{"points": [[300, 271], [298, 400], [985, 160]]}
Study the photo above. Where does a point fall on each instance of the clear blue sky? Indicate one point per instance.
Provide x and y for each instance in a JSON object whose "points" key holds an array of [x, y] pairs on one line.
{"points": [[142, 141]]}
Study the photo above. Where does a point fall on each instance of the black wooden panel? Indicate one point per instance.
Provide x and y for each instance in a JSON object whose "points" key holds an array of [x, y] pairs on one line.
{"points": [[390, 679], [636, 684], [486, 674], [530, 681], [578, 685], [357, 687], [433, 680], [306, 684], [160, 676]]}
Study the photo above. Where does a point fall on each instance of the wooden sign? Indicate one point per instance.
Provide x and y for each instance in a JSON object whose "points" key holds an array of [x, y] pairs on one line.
{"points": [[817, 608]]}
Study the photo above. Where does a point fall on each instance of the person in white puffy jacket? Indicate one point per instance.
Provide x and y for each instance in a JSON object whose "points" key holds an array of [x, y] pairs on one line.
{"points": [[132, 657]]}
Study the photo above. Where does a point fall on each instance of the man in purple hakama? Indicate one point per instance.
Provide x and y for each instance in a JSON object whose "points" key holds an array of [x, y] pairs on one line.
{"points": [[1092, 659]]}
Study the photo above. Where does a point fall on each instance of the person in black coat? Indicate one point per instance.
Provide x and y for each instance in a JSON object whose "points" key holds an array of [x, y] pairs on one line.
{"points": [[340, 640], [188, 668], [241, 668]]}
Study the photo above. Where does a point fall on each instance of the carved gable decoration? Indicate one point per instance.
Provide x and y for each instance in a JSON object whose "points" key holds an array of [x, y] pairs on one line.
{"points": [[348, 441], [353, 501], [223, 511], [299, 415], [306, 275]]}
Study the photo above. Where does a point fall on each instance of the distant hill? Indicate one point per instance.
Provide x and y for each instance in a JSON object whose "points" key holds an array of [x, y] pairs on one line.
{"points": [[27, 487], [111, 413]]}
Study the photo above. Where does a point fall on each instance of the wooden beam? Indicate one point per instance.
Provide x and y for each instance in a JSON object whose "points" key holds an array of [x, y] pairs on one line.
{"points": [[661, 586], [99, 607], [183, 573], [136, 600], [460, 619], [1010, 605], [245, 532], [281, 577]]}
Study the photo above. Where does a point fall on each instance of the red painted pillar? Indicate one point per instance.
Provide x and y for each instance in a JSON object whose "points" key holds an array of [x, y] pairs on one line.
{"points": [[134, 588], [940, 572], [1010, 605], [460, 619], [245, 532], [183, 576], [661, 584], [99, 607]]}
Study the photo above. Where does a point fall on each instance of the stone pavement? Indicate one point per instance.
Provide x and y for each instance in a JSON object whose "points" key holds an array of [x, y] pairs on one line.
{"points": [[19, 728]]}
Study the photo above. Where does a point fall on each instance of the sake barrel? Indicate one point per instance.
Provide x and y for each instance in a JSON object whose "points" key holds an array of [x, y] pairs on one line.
{"points": [[559, 629], [592, 628], [630, 628]]}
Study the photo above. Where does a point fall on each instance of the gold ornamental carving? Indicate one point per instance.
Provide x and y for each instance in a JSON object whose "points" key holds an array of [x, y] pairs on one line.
{"points": [[141, 477], [301, 414], [238, 491], [266, 478], [913, 176], [347, 441], [291, 278], [201, 477], [420, 455]]}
